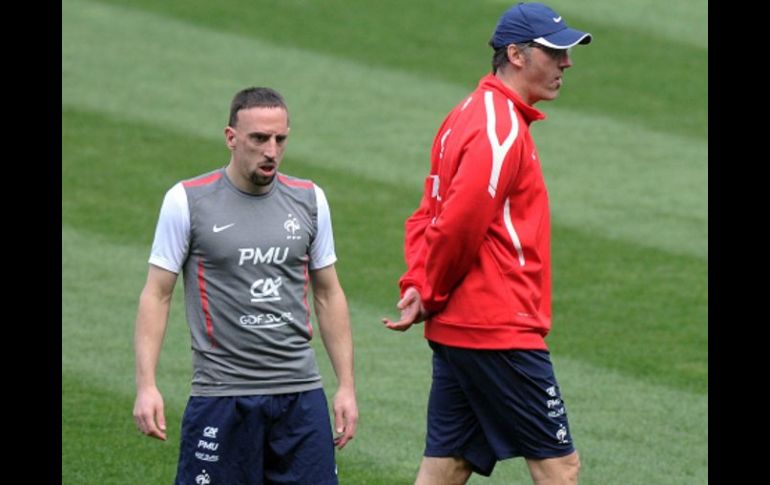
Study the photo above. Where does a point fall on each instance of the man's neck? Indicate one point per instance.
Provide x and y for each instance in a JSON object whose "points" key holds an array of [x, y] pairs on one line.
{"points": [[511, 81]]}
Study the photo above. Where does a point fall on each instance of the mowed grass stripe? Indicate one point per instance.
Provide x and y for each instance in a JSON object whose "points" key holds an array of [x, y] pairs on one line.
{"points": [[623, 425], [643, 66], [630, 308], [617, 179], [648, 306], [624, 182]]}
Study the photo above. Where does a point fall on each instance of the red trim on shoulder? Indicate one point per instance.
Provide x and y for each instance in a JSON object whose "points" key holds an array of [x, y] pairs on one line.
{"points": [[203, 180], [295, 183]]}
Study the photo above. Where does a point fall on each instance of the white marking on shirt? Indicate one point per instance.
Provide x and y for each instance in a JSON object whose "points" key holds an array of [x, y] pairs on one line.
{"points": [[512, 231], [499, 151], [443, 139], [434, 190]]}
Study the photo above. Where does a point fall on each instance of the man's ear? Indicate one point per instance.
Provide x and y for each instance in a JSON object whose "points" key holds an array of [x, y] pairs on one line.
{"points": [[516, 56], [229, 137]]}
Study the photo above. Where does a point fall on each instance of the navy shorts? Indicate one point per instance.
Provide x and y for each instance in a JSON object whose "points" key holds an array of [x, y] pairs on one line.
{"points": [[489, 405], [263, 439]]}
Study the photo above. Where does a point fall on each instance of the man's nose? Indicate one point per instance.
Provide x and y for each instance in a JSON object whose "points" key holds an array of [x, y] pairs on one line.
{"points": [[271, 148]]}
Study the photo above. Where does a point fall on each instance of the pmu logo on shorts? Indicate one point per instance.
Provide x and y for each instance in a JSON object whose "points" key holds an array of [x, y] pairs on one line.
{"points": [[210, 432], [208, 445]]}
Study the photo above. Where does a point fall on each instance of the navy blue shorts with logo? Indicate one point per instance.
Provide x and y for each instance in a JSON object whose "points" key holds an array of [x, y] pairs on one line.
{"points": [[489, 405], [255, 440]]}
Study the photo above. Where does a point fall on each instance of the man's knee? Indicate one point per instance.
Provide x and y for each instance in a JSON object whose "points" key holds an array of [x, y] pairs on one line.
{"points": [[552, 471], [443, 471], [572, 467]]}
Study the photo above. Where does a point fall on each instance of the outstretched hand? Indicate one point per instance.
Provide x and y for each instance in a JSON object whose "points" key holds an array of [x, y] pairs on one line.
{"points": [[412, 311]]}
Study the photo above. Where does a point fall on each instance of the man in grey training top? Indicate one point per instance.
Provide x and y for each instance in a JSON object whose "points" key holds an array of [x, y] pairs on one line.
{"points": [[249, 240]]}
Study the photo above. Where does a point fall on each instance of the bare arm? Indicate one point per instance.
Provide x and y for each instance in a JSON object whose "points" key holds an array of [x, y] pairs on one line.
{"points": [[151, 320], [331, 308]]}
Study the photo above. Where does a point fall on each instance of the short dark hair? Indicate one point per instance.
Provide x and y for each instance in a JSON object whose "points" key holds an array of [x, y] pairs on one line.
{"points": [[500, 56], [256, 98]]}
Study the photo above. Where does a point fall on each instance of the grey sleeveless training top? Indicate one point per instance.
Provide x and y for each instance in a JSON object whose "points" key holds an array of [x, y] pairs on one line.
{"points": [[246, 260]]}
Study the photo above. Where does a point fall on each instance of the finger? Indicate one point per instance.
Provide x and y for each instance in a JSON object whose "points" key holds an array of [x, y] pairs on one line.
{"points": [[161, 428], [349, 434], [147, 425], [410, 297], [343, 440], [154, 431], [340, 439], [398, 326], [338, 420], [390, 323], [407, 300], [161, 419]]}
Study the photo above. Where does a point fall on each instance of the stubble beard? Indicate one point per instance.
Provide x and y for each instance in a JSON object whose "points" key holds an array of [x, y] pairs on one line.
{"points": [[259, 181]]}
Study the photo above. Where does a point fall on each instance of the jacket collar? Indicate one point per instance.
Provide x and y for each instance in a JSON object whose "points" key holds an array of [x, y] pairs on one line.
{"points": [[529, 113]]}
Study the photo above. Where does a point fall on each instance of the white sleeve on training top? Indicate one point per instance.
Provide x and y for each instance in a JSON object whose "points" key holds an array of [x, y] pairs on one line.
{"points": [[172, 234], [322, 249]]}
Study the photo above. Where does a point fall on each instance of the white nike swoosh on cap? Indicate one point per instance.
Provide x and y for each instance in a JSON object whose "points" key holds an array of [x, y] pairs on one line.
{"points": [[557, 19], [220, 229]]}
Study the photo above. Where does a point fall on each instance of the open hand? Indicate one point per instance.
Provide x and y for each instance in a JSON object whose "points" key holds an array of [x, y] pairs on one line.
{"points": [[412, 311]]}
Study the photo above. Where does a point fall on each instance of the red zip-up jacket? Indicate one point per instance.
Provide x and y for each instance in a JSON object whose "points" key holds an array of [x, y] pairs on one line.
{"points": [[478, 246]]}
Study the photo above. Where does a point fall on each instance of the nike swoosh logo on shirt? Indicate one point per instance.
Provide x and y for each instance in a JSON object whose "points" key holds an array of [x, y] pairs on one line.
{"points": [[220, 229]]}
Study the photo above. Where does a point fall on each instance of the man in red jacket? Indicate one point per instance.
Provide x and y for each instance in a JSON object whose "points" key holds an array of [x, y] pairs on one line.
{"points": [[479, 267]]}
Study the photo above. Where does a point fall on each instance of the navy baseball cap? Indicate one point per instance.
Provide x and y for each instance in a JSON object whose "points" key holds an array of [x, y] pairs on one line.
{"points": [[537, 23]]}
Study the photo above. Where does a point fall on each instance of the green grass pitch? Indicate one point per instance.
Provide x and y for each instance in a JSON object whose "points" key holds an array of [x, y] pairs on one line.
{"points": [[145, 93]]}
